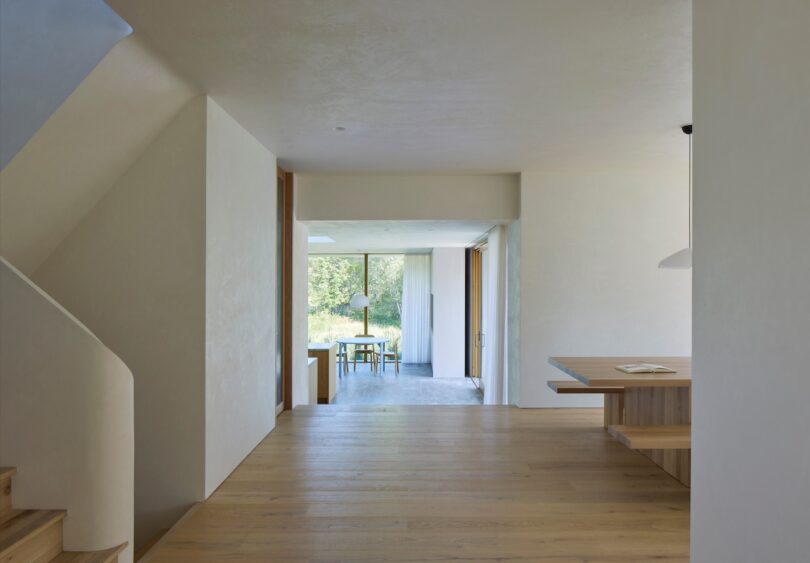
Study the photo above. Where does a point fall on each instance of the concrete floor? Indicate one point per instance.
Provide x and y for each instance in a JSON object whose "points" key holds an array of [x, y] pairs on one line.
{"points": [[415, 385]]}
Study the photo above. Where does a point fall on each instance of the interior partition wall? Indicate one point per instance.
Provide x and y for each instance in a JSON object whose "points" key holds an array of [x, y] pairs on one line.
{"points": [[493, 372]]}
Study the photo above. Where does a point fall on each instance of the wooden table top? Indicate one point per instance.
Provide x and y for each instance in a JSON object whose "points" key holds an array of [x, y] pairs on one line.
{"points": [[602, 371]]}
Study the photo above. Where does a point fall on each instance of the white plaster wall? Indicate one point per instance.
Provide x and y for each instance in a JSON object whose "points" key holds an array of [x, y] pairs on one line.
{"points": [[750, 421], [240, 286], [448, 288], [590, 247], [66, 418], [304, 390], [100, 130], [134, 272], [494, 197]]}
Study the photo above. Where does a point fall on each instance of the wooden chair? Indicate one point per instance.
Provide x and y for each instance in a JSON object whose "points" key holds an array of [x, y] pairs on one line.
{"points": [[366, 352], [392, 355], [342, 357]]}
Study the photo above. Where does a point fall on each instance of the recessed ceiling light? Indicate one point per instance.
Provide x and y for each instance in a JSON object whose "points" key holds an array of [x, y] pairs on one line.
{"points": [[320, 239], [340, 128]]}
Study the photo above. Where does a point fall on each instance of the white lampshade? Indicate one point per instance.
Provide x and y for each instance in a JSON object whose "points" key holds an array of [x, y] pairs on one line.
{"points": [[359, 301], [681, 260]]}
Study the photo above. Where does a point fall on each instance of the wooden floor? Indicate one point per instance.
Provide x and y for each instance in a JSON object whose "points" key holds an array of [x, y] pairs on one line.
{"points": [[438, 483]]}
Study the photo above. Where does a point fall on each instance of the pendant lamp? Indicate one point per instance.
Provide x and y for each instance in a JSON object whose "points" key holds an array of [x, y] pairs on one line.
{"points": [[358, 301], [682, 259]]}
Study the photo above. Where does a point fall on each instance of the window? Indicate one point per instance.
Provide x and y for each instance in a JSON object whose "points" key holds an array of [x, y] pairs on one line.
{"points": [[385, 297], [333, 279]]}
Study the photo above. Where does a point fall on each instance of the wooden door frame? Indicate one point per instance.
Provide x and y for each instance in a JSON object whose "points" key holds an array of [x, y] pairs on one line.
{"points": [[365, 292], [286, 197]]}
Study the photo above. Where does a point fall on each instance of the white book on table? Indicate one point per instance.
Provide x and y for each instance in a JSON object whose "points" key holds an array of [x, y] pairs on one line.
{"points": [[644, 368]]}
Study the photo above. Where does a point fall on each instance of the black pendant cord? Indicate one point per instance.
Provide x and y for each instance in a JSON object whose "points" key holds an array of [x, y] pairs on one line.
{"points": [[690, 188], [687, 129]]}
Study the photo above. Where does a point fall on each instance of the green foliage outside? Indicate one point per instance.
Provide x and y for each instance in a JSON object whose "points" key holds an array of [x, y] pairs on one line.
{"points": [[332, 282]]}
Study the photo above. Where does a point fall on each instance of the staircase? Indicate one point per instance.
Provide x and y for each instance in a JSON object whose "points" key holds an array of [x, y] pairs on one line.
{"points": [[35, 536]]}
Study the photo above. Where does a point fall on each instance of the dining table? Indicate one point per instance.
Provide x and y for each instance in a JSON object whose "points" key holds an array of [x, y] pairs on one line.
{"points": [[343, 346], [648, 400]]}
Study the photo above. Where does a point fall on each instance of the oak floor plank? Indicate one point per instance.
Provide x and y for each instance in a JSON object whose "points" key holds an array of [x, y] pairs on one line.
{"points": [[431, 483]]}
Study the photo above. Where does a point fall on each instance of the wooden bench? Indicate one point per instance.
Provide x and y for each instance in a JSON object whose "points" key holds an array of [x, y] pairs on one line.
{"points": [[573, 386], [677, 437], [614, 396]]}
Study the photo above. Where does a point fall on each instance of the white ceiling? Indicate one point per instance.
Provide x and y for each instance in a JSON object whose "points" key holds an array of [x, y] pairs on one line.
{"points": [[438, 85], [394, 236]]}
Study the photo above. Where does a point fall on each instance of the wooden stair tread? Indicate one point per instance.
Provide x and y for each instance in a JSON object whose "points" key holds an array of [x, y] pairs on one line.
{"points": [[653, 437], [25, 525], [104, 556], [572, 386], [12, 513], [6, 473]]}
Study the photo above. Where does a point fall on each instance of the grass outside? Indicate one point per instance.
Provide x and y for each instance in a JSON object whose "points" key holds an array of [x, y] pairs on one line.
{"points": [[326, 327]]}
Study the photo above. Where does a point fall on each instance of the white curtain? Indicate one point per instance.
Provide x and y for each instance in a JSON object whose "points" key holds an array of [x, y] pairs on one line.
{"points": [[494, 364], [416, 309]]}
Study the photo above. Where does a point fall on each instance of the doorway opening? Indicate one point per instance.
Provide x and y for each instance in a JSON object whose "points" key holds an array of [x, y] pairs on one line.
{"points": [[387, 299]]}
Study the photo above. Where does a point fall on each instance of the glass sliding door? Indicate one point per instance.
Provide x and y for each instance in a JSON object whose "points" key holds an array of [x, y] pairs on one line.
{"points": [[385, 274], [333, 279]]}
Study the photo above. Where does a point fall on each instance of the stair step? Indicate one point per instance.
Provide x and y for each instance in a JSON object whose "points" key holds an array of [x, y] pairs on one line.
{"points": [[6, 473], [105, 556], [31, 535], [12, 513]]}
